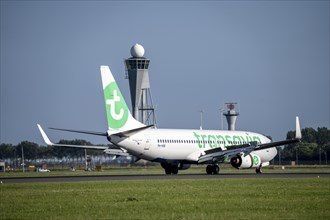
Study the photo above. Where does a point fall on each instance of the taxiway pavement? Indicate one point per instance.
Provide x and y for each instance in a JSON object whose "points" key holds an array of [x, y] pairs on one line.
{"points": [[158, 177]]}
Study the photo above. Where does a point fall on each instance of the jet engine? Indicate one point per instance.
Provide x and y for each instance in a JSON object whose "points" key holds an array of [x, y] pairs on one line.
{"points": [[248, 161]]}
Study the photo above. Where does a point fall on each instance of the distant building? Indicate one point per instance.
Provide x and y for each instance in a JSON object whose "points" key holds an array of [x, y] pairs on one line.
{"points": [[138, 76], [231, 114]]}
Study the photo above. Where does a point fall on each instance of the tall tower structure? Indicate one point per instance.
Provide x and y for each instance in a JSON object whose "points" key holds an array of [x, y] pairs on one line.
{"points": [[138, 77], [231, 114]]}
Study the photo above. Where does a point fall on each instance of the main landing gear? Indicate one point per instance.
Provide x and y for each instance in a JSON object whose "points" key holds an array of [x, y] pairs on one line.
{"points": [[170, 168], [212, 169], [259, 170]]}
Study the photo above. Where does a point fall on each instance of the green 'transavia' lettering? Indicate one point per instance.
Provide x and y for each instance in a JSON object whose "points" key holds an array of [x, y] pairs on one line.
{"points": [[215, 141]]}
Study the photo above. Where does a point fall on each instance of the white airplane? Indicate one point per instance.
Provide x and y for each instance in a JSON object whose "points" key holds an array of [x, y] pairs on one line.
{"points": [[177, 149]]}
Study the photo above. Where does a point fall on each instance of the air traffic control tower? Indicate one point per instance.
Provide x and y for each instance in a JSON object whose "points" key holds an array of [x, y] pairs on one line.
{"points": [[138, 77], [231, 114]]}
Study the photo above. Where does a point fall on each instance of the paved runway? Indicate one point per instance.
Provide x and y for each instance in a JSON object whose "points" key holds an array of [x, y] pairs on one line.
{"points": [[160, 177]]}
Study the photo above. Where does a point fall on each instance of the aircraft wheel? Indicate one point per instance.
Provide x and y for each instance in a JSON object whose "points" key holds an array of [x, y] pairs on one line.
{"points": [[258, 170], [209, 169], [215, 169], [168, 171], [174, 169]]}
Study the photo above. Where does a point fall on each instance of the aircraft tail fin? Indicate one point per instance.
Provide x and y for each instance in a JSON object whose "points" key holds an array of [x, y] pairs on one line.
{"points": [[118, 115]]}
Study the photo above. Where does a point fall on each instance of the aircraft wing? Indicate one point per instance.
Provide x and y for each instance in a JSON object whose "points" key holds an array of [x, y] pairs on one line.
{"points": [[110, 149], [218, 155], [284, 142], [277, 143]]}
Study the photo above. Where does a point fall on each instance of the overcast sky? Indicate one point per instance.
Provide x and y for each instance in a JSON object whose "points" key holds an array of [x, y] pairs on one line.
{"points": [[272, 57]]}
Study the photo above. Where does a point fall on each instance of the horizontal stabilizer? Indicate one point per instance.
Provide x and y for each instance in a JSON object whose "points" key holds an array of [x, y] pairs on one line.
{"points": [[110, 149], [82, 132], [48, 142], [44, 136]]}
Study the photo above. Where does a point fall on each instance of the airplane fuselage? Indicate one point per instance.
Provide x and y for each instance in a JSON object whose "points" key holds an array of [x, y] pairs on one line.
{"points": [[186, 146]]}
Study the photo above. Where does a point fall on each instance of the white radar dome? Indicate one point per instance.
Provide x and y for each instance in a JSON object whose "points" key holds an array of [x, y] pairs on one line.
{"points": [[137, 51]]}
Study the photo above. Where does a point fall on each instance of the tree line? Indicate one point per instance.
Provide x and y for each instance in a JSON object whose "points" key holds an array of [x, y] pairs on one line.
{"points": [[314, 146], [34, 151]]}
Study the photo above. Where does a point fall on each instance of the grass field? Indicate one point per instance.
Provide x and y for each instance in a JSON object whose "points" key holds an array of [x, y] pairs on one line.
{"points": [[303, 198]]}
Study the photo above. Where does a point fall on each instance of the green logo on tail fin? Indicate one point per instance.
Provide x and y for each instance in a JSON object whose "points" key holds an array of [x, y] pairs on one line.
{"points": [[117, 111]]}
